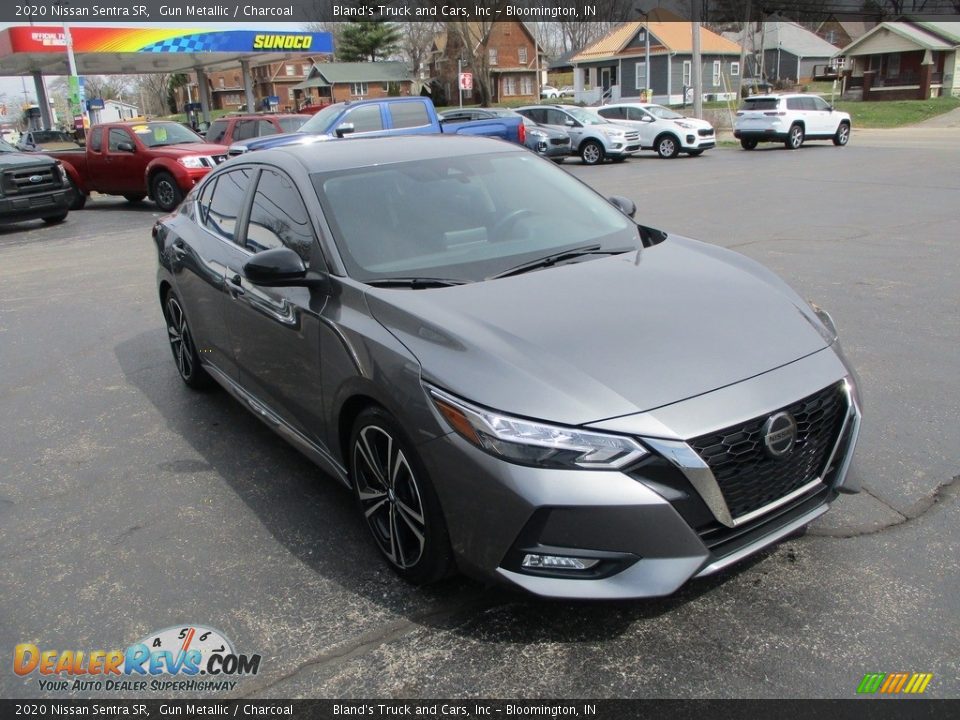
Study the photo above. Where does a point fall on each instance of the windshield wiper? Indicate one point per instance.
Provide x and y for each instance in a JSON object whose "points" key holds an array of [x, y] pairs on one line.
{"points": [[559, 257], [415, 283]]}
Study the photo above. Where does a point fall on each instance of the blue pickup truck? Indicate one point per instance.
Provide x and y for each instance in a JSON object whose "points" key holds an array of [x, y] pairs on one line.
{"points": [[386, 116]]}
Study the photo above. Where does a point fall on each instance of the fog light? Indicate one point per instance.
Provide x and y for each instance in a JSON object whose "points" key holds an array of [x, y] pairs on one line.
{"points": [[557, 562], [690, 139]]}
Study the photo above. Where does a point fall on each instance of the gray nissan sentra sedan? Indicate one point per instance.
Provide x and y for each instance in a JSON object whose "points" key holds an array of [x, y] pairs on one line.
{"points": [[513, 377]]}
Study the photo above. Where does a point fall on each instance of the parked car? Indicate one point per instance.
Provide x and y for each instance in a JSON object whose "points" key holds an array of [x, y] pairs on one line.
{"points": [[32, 187], [592, 137], [159, 159], [384, 117], [234, 128], [548, 92], [791, 119], [44, 140], [661, 129], [567, 91], [475, 343], [549, 142]]}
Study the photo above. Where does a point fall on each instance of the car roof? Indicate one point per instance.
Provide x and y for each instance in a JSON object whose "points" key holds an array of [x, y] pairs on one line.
{"points": [[334, 155]]}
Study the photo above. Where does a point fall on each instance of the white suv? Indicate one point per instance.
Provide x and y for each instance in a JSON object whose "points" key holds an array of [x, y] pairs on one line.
{"points": [[789, 119], [594, 138], [662, 129]]}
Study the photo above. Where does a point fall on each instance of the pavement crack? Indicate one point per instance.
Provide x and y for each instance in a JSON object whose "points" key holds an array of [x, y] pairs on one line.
{"points": [[944, 491], [369, 641]]}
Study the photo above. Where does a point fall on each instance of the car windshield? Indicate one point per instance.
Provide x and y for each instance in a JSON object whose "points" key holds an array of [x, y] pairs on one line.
{"points": [[321, 121], [662, 112], [158, 134], [760, 104], [586, 116], [292, 123], [464, 218]]}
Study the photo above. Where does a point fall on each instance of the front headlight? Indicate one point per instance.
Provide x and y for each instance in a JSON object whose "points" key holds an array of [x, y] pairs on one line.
{"points": [[536, 134], [62, 172], [688, 126], [533, 443], [191, 161], [829, 329]]}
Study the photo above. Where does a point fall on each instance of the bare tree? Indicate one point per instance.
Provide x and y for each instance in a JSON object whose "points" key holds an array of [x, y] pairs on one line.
{"points": [[416, 39]]}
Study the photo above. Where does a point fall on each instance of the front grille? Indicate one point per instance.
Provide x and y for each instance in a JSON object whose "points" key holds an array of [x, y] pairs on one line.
{"points": [[748, 478], [632, 136], [24, 181], [560, 141], [705, 132]]}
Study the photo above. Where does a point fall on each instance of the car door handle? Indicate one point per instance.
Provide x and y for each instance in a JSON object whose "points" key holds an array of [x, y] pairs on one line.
{"points": [[235, 285]]}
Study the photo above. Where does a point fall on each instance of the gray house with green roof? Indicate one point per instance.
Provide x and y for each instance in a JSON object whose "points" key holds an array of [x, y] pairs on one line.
{"points": [[339, 81]]}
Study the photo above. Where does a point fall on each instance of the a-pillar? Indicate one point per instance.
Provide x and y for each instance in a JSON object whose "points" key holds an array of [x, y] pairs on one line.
{"points": [[247, 84], [42, 100]]}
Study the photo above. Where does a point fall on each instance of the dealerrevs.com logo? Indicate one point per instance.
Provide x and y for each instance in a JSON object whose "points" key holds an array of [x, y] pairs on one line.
{"points": [[187, 658]]}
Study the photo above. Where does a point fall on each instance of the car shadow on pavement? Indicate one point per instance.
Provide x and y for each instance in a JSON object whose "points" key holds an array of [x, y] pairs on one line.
{"points": [[317, 522]]}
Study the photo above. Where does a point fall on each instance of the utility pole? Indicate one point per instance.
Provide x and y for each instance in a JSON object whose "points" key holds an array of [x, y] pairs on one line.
{"points": [[697, 78], [648, 84], [747, 32]]}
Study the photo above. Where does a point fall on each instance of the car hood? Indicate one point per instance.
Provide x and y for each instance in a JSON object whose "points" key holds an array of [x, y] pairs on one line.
{"points": [[22, 158], [184, 149], [696, 122], [269, 142], [584, 342]]}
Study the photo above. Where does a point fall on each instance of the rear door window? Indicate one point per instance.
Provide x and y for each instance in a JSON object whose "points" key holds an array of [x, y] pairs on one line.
{"points": [[797, 104], [408, 114]]}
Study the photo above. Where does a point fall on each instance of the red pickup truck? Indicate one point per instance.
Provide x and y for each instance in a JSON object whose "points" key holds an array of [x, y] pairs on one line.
{"points": [[160, 159]]}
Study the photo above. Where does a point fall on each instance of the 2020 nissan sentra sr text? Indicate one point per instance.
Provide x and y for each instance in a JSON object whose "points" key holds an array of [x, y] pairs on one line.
{"points": [[513, 377]]}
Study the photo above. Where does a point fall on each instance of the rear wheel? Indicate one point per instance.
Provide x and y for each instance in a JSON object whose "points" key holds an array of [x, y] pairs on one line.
{"points": [[397, 499], [165, 191], [748, 144], [79, 197], [843, 135], [667, 146], [55, 219], [182, 346], [794, 138]]}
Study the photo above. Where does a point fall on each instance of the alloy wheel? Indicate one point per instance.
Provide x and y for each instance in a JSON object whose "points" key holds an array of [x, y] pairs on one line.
{"points": [[181, 342], [165, 193], [389, 496], [592, 154]]}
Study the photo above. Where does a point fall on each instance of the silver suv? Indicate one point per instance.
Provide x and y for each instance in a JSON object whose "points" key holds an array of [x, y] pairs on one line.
{"points": [[592, 137], [790, 119]]}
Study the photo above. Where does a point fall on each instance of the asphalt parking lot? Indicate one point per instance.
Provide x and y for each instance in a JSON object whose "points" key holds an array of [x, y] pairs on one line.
{"points": [[129, 504]]}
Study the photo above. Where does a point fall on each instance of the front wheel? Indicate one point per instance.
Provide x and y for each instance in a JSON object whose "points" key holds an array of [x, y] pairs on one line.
{"points": [[668, 147], [55, 219], [165, 191], [591, 152], [397, 499], [794, 138], [843, 135], [79, 197], [748, 144]]}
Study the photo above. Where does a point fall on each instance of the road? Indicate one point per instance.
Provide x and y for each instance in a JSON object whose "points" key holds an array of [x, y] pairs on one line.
{"points": [[129, 504]]}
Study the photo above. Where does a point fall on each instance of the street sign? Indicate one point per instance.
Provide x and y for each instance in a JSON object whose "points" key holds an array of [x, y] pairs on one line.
{"points": [[466, 81]]}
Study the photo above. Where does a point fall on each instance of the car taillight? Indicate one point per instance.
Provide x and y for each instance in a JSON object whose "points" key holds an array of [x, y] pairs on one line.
{"points": [[522, 133], [775, 112]]}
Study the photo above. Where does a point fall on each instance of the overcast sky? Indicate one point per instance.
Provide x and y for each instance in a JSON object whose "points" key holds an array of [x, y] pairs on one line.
{"points": [[13, 86]]}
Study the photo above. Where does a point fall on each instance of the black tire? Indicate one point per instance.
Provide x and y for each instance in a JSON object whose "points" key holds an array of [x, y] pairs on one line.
{"points": [[748, 144], [55, 219], [842, 136], [694, 153], [399, 504], [667, 146], [591, 152], [794, 138], [182, 346], [618, 159], [134, 197], [165, 191], [558, 160], [79, 198]]}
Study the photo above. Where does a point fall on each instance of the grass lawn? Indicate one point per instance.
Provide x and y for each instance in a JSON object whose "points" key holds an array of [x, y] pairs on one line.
{"points": [[894, 113]]}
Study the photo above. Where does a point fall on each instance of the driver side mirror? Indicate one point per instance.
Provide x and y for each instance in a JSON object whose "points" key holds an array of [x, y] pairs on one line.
{"points": [[625, 205], [279, 267], [344, 129], [126, 147], [570, 123]]}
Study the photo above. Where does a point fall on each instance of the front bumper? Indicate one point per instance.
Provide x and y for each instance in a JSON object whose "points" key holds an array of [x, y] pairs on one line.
{"points": [[35, 206], [547, 149], [649, 528]]}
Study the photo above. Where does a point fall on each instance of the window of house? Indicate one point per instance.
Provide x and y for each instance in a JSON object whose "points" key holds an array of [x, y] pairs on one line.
{"points": [[831, 37], [305, 68], [508, 86], [291, 70], [223, 83], [526, 85], [716, 72], [687, 72], [522, 55], [641, 75], [893, 65], [734, 69], [493, 56], [360, 89]]}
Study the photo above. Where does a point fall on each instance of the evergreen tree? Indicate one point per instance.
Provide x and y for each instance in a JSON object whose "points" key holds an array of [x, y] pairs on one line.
{"points": [[368, 40]]}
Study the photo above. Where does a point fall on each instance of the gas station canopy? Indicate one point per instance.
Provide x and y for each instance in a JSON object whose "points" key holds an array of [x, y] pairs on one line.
{"points": [[131, 51]]}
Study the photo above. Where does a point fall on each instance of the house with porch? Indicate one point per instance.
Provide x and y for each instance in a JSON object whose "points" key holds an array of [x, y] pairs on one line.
{"points": [[331, 82], [615, 68], [903, 60], [782, 50]]}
